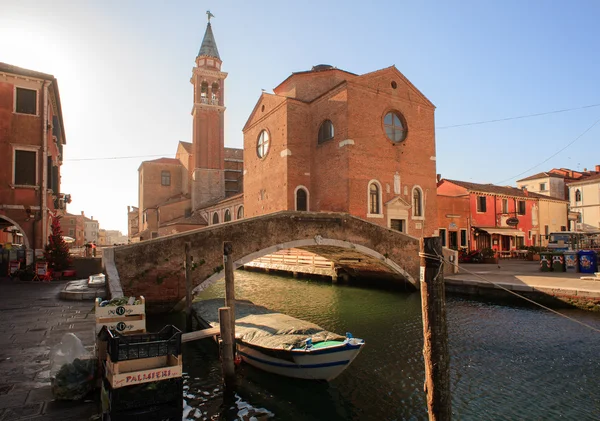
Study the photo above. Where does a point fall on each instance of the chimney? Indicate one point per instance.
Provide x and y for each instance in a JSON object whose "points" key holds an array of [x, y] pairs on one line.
{"points": [[525, 191], [82, 213], [597, 168], [439, 177]]}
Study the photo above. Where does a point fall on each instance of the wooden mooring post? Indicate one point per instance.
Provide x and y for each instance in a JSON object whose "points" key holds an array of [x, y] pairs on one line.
{"points": [[188, 286], [435, 330], [229, 287], [227, 346]]}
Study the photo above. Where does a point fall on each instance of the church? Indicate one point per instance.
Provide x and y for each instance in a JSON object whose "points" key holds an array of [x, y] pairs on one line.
{"points": [[325, 140]]}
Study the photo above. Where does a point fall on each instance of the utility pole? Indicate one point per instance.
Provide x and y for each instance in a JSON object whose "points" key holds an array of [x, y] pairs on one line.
{"points": [[435, 330]]}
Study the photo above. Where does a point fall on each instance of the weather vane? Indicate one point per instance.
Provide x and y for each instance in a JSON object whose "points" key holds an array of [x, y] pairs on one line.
{"points": [[210, 15]]}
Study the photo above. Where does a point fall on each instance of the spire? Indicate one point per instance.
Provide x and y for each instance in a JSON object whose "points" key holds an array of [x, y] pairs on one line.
{"points": [[209, 46]]}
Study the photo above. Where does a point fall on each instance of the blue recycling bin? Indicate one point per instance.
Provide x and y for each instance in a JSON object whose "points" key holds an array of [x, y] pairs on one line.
{"points": [[588, 261]]}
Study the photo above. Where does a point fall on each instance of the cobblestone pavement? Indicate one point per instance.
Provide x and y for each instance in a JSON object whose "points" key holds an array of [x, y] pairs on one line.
{"points": [[32, 321]]}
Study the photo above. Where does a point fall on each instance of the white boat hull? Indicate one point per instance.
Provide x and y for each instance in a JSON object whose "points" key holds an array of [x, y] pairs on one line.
{"points": [[318, 364]]}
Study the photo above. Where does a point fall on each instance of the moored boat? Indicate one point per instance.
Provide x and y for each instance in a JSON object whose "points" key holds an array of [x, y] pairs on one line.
{"points": [[285, 345]]}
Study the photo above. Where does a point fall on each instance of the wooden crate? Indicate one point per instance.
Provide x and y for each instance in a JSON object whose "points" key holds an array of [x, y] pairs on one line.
{"points": [[123, 319], [145, 370]]}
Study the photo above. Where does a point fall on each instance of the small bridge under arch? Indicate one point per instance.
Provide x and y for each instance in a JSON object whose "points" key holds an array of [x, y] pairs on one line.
{"points": [[155, 268]]}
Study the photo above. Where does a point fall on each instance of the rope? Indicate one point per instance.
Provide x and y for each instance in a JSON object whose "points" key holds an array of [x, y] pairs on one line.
{"points": [[437, 257]]}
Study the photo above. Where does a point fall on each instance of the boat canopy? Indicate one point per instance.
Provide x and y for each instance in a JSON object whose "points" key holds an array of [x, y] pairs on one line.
{"points": [[259, 326]]}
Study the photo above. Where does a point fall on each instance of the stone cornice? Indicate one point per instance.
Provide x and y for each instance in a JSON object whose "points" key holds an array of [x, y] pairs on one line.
{"points": [[206, 72], [200, 106]]}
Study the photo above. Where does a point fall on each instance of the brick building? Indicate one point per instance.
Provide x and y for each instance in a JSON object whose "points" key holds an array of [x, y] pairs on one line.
{"points": [[74, 226], [478, 216], [202, 184], [32, 137], [331, 140]]}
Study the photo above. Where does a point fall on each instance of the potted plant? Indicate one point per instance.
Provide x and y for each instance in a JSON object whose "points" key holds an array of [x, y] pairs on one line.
{"points": [[489, 255]]}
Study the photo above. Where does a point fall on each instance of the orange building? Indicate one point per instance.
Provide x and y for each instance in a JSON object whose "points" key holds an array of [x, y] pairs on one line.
{"points": [[32, 137], [331, 140]]}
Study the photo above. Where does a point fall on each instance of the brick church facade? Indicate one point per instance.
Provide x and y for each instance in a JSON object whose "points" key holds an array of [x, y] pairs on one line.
{"points": [[331, 140]]}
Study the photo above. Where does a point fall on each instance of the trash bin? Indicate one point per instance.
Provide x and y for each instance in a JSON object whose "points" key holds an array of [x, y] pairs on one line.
{"points": [[545, 261], [588, 261], [571, 261], [558, 262]]}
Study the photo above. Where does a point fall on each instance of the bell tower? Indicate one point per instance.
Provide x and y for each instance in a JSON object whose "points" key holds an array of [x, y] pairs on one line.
{"points": [[208, 113]]}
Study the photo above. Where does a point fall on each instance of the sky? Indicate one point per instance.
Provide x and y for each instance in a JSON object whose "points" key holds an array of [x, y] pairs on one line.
{"points": [[124, 68]]}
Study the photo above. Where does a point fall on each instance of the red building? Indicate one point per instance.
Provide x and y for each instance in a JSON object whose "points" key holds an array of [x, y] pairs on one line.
{"points": [[31, 153], [488, 216]]}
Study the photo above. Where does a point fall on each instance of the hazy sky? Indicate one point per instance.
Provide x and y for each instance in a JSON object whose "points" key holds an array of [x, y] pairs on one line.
{"points": [[123, 69]]}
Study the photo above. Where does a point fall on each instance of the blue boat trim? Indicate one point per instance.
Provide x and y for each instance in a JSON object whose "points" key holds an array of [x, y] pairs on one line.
{"points": [[343, 347], [260, 360]]}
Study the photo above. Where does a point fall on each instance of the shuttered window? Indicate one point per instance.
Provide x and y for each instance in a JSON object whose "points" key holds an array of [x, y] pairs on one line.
{"points": [[25, 168]]}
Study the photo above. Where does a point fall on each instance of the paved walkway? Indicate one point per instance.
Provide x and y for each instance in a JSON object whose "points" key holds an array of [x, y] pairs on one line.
{"points": [[32, 321], [522, 275]]}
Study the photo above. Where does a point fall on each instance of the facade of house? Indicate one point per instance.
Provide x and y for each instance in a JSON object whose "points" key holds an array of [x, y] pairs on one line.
{"points": [[133, 225], [331, 140], [91, 230], [32, 138], [497, 217], [74, 226], [585, 203], [182, 193], [546, 183]]}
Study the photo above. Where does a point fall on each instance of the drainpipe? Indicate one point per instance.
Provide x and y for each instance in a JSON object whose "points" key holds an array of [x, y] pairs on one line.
{"points": [[43, 187]]}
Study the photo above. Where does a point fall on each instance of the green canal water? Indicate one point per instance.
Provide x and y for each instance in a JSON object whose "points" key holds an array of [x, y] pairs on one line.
{"points": [[507, 362]]}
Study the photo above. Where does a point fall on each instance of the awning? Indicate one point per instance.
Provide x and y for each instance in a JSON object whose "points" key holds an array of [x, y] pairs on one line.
{"points": [[511, 232]]}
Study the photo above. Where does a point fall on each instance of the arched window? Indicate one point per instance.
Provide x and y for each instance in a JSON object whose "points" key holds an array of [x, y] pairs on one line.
{"points": [[240, 212], [374, 198], [165, 178], [301, 199], [262, 146], [227, 217], [326, 131], [215, 218], [204, 92], [394, 127], [578, 195], [215, 93], [417, 202]]}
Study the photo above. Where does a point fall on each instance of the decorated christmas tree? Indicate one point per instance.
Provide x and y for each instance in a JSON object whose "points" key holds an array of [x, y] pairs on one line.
{"points": [[57, 250]]}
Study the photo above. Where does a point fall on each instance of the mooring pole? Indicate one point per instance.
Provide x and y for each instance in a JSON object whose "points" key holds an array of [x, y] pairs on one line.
{"points": [[227, 345], [188, 286], [229, 286], [435, 331]]}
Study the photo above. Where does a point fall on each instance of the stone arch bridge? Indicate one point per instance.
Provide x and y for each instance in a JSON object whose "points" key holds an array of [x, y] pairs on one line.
{"points": [[155, 268]]}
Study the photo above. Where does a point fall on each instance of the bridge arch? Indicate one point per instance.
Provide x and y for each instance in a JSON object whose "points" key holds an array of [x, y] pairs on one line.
{"points": [[315, 243], [155, 268]]}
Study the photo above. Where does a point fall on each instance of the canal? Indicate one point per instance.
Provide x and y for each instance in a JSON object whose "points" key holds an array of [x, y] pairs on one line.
{"points": [[507, 362]]}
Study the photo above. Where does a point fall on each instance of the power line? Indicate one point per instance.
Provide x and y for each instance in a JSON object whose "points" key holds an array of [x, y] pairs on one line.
{"points": [[116, 157], [517, 117], [552, 156], [437, 128]]}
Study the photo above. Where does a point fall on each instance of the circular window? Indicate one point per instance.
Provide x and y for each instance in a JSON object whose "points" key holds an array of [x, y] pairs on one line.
{"points": [[394, 84], [395, 130], [262, 147]]}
